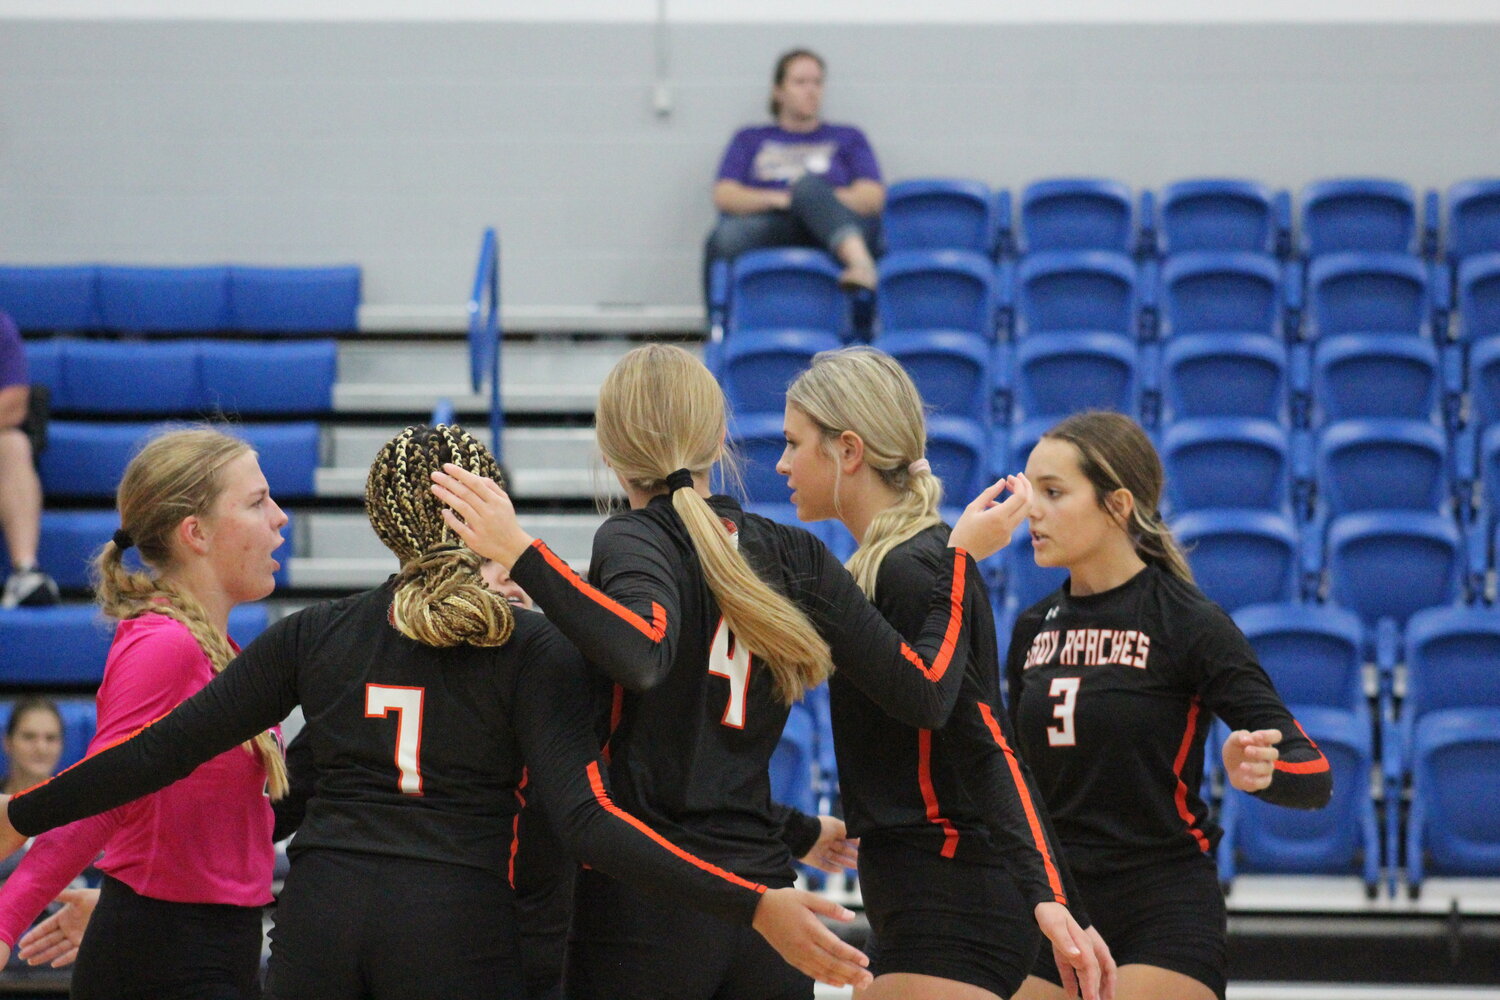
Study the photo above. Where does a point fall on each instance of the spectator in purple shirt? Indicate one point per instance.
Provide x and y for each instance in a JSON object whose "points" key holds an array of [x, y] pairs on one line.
{"points": [[20, 489], [800, 181]]}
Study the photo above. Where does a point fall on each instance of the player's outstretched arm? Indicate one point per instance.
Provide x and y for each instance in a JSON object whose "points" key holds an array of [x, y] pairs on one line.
{"points": [[788, 920]]}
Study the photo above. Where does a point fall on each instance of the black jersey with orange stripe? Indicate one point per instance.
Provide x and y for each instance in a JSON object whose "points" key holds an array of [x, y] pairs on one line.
{"points": [[956, 788], [418, 751], [1113, 694], [697, 717]]}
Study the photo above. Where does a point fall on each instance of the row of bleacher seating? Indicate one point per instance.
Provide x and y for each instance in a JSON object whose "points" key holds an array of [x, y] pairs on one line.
{"points": [[1201, 214], [280, 300]]}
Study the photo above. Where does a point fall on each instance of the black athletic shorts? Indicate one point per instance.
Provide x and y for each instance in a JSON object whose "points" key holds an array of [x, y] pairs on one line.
{"points": [[1170, 915], [937, 916], [628, 945]]}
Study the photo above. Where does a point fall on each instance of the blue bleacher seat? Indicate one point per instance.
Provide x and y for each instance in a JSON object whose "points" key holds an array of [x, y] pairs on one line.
{"points": [[758, 440], [1478, 283], [69, 540], [1381, 464], [1025, 581], [289, 455], [1054, 374], [1226, 462], [1221, 293], [793, 762], [1070, 291], [1452, 655], [51, 298], [789, 288], [832, 533], [1341, 839], [164, 299], [958, 449], [939, 214], [1484, 384], [44, 364], [1311, 652], [936, 290], [1356, 376], [1240, 557], [106, 376], [1368, 293], [1359, 214], [1077, 214], [1454, 823], [756, 366], [246, 621], [1392, 563], [1224, 375], [1221, 215], [1473, 218], [58, 646], [951, 369], [270, 378], [294, 299]]}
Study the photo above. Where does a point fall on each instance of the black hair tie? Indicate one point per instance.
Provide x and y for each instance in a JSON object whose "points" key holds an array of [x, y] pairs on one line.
{"points": [[682, 479], [122, 539]]}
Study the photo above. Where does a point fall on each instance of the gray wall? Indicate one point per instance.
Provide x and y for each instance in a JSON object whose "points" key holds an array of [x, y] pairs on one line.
{"points": [[392, 145]]}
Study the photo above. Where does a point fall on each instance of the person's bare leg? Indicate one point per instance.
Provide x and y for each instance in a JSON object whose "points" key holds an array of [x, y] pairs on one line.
{"points": [[20, 498], [910, 986], [859, 264], [1134, 982], [1037, 988]]}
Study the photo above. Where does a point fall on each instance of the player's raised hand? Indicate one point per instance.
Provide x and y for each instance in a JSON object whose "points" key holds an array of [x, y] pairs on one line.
{"points": [[56, 939], [1250, 758], [480, 513], [987, 522], [788, 920]]}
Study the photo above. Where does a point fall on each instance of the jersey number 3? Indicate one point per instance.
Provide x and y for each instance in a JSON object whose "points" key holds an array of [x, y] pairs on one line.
{"points": [[406, 702], [731, 660], [1063, 735]]}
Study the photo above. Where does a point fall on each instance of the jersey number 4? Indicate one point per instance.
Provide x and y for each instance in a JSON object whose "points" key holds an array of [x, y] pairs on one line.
{"points": [[1067, 689], [406, 702], [731, 660]]}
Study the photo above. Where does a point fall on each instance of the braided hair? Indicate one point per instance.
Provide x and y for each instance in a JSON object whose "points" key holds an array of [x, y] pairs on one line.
{"points": [[440, 598]]}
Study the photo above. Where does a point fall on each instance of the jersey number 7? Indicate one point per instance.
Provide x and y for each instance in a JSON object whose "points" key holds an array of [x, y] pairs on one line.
{"points": [[406, 702], [731, 660]]}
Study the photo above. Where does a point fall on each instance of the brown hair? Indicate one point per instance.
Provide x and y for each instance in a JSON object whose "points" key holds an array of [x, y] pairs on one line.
{"points": [[31, 703], [659, 411], [784, 63], [1115, 453], [440, 600], [175, 476], [866, 391]]}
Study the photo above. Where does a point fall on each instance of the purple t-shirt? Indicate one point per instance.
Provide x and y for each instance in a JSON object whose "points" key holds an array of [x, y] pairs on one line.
{"points": [[768, 156], [12, 354]]}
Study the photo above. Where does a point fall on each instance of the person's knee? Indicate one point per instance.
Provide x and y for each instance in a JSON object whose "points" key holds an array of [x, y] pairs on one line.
{"points": [[732, 236], [810, 189], [15, 448]]}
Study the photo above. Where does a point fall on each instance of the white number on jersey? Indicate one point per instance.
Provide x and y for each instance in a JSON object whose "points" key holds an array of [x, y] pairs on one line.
{"points": [[727, 658], [380, 701], [1063, 736]]}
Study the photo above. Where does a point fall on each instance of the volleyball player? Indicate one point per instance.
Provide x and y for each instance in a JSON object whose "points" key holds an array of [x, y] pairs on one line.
{"points": [[423, 697], [958, 869], [1113, 682], [708, 623]]}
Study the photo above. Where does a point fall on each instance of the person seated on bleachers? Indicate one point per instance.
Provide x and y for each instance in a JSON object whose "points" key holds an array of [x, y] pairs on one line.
{"points": [[800, 181], [20, 488]]}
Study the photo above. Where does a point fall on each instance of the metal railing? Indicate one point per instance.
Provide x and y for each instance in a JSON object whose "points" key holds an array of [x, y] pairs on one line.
{"points": [[485, 333]]}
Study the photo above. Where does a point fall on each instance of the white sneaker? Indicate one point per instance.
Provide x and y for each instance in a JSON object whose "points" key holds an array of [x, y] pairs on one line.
{"points": [[29, 588]]}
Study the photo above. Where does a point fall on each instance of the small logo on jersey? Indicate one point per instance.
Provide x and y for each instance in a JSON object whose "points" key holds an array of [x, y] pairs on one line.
{"points": [[1051, 614], [733, 531]]}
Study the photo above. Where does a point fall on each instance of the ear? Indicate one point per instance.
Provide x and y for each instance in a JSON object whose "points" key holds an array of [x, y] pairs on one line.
{"points": [[850, 449], [193, 535], [1121, 504]]}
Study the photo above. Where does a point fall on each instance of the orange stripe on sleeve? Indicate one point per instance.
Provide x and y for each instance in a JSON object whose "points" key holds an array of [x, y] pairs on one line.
{"points": [[656, 631], [1180, 797], [1317, 766], [1038, 836], [108, 746], [596, 782], [944, 658]]}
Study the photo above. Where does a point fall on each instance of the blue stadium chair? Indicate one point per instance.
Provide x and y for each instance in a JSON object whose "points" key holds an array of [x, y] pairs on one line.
{"points": [[1224, 375], [832, 533], [1221, 293], [1240, 557], [1454, 824], [1069, 291], [288, 456], [936, 290], [294, 299], [1226, 462], [1341, 839], [759, 440], [87, 459], [793, 761], [789, 288], [1451, 662], [1479, 297], [1055, 374], [951, 369], [1381, 464], [270, 378], [53, 647], [1355, 377], [939, 214], [1223, 215], [1025, 581], [1484, 384], [44, 364], [1393, 563], [1012, 450], [958, 450], [1368, 293], [1313, 653], [1358, 214], [103, 376], [51, 298], [756, 366], [1473, 218], [828, 769], [1077, 214], [69, 540], [164, 299], [246, 621]]}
